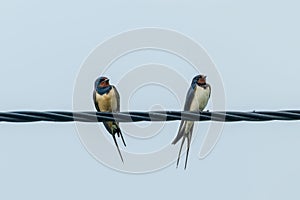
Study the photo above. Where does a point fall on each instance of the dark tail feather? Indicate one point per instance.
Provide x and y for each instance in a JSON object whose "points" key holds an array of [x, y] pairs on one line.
{"points": [[180, 152], [183, 135], [120, 134], [114, 137], [188, 149]]}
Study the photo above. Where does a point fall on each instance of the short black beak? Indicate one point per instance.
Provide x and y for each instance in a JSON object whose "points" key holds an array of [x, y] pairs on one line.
{"points": [[106, 80]]}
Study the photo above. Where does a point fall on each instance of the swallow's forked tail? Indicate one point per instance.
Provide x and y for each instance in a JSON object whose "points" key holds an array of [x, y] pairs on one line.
{"points": [[188, 137], [114, 137], [113, 128], [119, 133], [183, 135]]}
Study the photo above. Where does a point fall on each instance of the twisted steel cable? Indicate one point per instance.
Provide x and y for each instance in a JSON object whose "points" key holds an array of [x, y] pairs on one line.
{"points": [[229, 116]]}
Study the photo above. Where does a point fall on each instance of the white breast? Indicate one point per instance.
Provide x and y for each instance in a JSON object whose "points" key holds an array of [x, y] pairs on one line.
{"points": [[198, 104], [107, 102], [200, 99]]}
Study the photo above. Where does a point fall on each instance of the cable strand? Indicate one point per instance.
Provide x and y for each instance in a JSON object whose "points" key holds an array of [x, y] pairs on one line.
{"points": [[134, 116]]}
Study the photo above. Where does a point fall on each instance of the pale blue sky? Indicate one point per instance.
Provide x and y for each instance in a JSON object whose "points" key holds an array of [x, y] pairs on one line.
{"points": [[255, 46]]}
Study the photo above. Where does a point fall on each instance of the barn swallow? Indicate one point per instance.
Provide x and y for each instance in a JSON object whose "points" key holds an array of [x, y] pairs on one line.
{"points": [[107, 99], [196, 100]]}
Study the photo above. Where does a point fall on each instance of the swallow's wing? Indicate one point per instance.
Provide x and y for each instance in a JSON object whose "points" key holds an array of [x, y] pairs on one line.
{"points": [[95, 102], [209, 89], [117, 101], [188, 101], [107, 126], [117, 97], [118, 130], [180, 132], [189, 98]]}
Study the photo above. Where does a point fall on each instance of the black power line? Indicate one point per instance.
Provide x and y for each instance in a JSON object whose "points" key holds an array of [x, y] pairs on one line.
{"points": [[229, 116]]}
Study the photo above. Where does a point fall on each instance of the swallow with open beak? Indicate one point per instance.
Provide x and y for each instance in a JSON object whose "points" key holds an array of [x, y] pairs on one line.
{"points": [[196, 100]]}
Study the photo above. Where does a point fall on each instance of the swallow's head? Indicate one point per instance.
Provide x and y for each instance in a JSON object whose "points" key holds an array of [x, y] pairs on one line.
{"points": [[199, 80], [101, 82]]}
